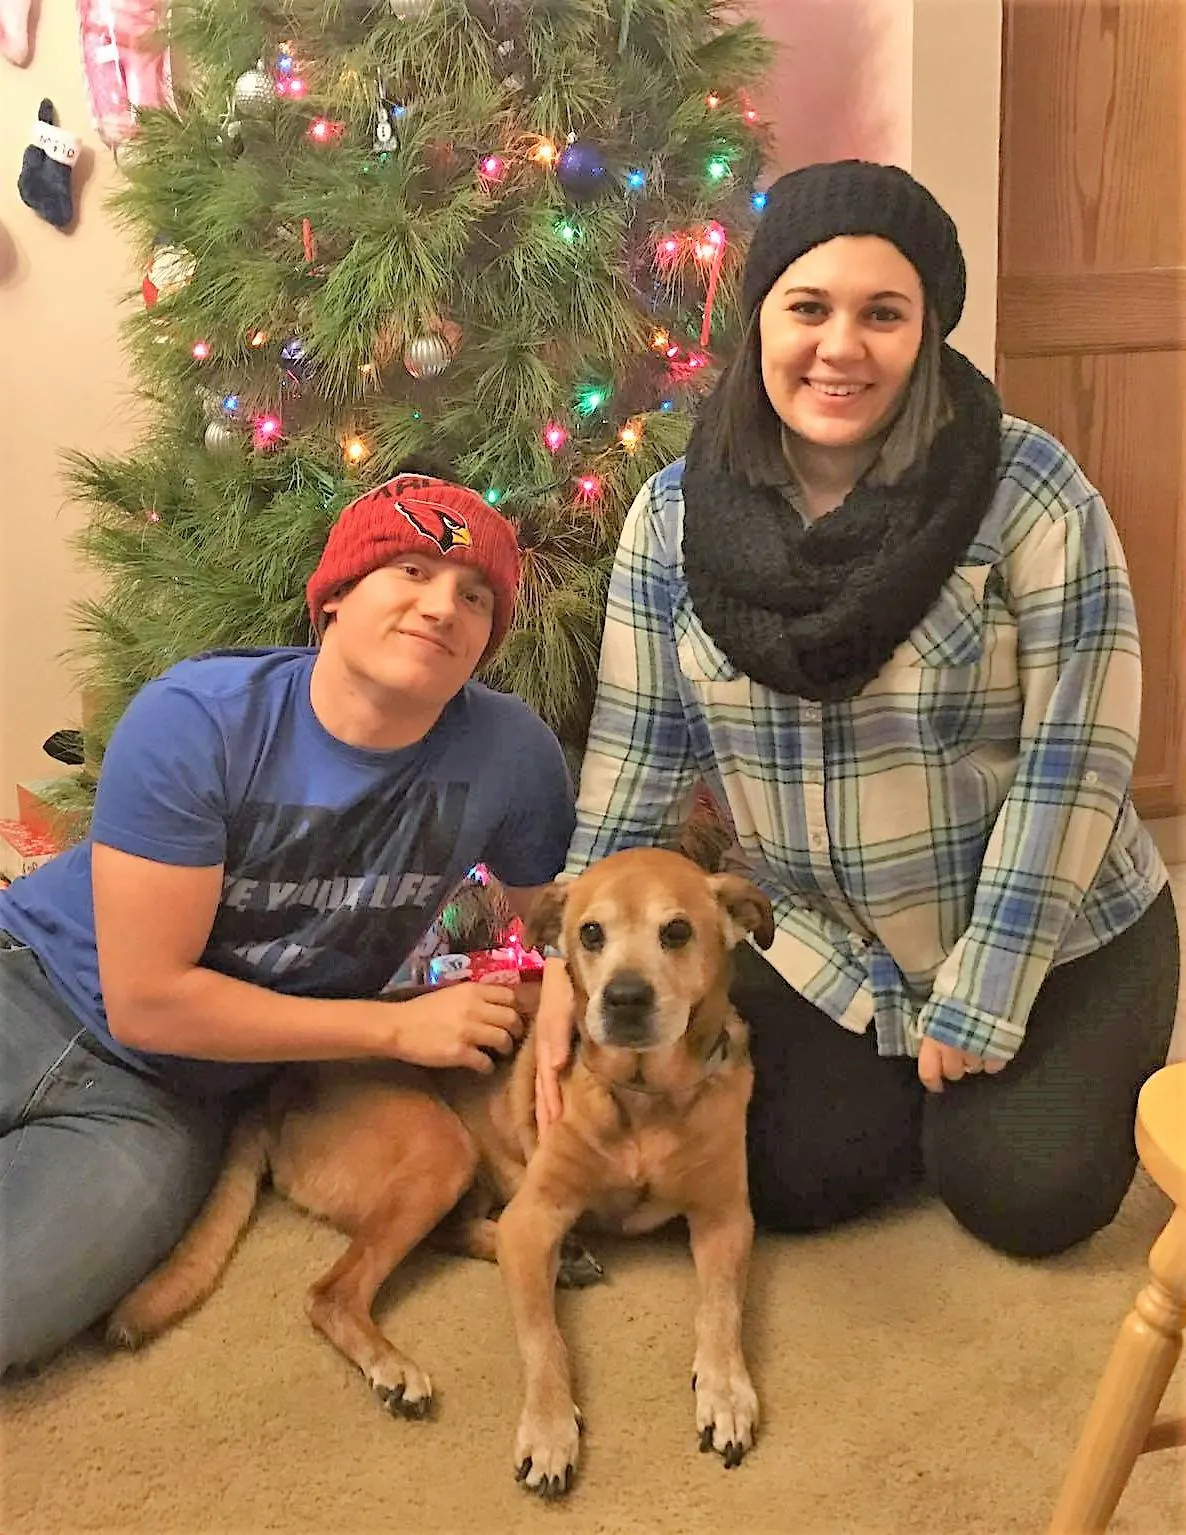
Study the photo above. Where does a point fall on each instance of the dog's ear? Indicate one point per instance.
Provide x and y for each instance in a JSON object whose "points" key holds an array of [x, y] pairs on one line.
{"points": [[545, 917], [747, 910]]}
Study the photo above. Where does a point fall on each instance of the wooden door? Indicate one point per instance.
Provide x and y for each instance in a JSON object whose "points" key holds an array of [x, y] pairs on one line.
{"points": [[1091, 317]]}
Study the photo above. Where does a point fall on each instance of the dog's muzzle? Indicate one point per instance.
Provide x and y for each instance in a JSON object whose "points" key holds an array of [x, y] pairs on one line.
{"points": [[628, 1011]]}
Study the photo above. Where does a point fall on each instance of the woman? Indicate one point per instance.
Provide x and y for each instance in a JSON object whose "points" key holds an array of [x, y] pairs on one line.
{"points": [[892, 631]]}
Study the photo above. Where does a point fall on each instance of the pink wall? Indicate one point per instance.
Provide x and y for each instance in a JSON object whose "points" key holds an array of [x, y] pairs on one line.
{"points": [[842, 84]]}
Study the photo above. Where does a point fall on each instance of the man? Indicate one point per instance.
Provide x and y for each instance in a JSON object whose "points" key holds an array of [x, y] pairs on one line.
{"points": [[274, 831]]}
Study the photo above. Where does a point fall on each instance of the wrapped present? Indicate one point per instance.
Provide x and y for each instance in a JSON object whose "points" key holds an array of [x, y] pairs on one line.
{"points": [[448, 969], [505, 966], [23, 849]]}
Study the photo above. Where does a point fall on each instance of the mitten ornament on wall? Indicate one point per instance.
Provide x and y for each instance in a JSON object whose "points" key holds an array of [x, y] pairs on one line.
{"points": [[44, 182], [16, 31]]}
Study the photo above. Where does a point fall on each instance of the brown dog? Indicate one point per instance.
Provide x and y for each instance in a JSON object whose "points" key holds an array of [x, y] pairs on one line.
{"points": [[653, 1126]]}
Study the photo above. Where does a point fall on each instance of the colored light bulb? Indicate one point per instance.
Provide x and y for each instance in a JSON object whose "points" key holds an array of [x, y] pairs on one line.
{"points": [[555, 437], [267, 430], [200, 351], [591, 399]]}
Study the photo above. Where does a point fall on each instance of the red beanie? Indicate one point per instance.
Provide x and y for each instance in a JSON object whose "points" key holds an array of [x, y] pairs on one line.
{"points": [[415, 513]]}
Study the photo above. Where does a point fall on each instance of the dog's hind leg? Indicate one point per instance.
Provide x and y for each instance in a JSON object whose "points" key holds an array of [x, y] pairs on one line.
{"points": [[429, 1178], [470, 1230]]}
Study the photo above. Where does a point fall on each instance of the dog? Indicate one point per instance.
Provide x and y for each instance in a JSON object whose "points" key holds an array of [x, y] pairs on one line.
{"points": [[652, 1128]]}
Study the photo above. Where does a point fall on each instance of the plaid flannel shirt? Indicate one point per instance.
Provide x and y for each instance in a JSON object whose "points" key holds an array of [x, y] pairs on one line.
{"points": [[933, 845]]}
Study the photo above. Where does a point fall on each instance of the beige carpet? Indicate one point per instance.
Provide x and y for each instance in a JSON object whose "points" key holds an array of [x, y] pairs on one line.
{"points": [[911, 1381]]}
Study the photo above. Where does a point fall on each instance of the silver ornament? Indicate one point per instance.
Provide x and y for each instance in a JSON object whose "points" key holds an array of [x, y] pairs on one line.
{"points": [[219, 438], [427, 356], [255, 92], [409, 10]]}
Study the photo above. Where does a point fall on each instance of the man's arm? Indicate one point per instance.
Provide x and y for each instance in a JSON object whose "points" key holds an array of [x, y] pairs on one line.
{"points": [[152, 922]]}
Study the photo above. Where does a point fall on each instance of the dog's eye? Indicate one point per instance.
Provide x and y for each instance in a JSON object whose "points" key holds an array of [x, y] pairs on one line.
{"points": [[592, 936], [676, 933]]}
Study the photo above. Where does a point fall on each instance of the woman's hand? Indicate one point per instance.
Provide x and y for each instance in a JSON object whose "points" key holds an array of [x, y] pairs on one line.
{"points": [[938, 1063], [553, 1031]]}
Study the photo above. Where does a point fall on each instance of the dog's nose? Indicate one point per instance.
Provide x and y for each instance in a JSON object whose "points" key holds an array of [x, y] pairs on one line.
{"points": [[627, 1002], [628, 992]]}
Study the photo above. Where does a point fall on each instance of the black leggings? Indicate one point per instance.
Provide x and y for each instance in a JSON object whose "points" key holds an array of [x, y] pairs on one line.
{"points": [[1031, 1160]]}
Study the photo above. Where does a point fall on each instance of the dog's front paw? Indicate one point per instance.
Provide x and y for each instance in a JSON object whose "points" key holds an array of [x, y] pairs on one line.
{"points": [[726, 1409], [401, 1386], [546, 1449]]}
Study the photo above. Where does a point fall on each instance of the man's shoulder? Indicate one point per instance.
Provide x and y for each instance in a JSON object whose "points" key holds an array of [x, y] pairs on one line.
{"points": [[223, 674], [504, 711], [508, 732]]}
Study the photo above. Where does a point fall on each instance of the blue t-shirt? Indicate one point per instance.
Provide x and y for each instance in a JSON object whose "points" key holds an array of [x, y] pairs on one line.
{"points": [[336, 859]]}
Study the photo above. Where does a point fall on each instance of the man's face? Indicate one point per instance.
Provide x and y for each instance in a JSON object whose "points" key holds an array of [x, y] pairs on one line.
{"points": [[416, 627]]}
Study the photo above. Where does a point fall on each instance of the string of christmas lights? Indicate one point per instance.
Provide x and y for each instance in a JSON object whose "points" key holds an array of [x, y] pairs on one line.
{"points": [[673, 252]]}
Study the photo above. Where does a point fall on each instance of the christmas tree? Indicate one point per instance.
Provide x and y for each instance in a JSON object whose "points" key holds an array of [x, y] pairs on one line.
{"points": [[505, 234]]}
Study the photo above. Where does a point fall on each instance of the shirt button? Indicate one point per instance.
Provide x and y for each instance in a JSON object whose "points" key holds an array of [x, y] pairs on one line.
{"points": [[816, 840], [1091, 778]]}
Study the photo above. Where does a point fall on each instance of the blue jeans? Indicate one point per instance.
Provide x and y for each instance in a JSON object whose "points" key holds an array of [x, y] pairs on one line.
{"points": [[101, 1169]]}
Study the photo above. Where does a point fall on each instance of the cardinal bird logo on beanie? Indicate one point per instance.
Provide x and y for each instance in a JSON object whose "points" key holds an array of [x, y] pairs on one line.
{"points": [[417, 512], [443, 527]]}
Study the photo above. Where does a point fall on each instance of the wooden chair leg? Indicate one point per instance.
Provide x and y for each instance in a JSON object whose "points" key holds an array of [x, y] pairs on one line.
{"points": [[1128, 1396]]}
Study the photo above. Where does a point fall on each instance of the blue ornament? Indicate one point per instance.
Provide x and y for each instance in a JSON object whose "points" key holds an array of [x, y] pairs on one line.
{"points": [[581, 171]]}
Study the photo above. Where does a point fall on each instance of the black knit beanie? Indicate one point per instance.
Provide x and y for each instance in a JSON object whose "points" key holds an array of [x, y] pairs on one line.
{"points": [[807, 207]]}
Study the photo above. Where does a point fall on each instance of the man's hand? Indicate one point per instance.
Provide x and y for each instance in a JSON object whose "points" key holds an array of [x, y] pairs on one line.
{"points": [[553, 1042], [463, 1025], [938, 1063]]}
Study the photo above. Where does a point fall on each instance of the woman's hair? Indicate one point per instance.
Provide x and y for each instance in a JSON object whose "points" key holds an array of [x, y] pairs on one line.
{"points": [[747, 436]]}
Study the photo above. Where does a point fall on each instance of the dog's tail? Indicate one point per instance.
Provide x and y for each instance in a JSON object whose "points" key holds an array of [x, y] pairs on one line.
{"points": [[194, 1267]]}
